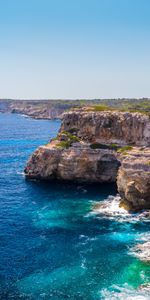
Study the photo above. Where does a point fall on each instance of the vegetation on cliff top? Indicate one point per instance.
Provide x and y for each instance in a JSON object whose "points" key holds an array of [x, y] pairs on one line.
{"points": [[124, 149], [66, 139], [142, 107], [45, 106], [115, 147], [104, 146]]}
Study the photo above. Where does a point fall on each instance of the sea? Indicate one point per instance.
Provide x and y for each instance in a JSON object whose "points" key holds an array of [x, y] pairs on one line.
{"points": [[56, 240]]}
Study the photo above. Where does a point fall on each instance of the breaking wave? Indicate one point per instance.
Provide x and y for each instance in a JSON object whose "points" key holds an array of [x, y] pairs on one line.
{"points": [[142, 249], [126, 293], [110, 208]]}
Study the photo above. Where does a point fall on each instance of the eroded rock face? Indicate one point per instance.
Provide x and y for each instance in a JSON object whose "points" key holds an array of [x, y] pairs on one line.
{"points": [[109, 127], [77, 163], [134, 179], [71, 157], [37, 113]]}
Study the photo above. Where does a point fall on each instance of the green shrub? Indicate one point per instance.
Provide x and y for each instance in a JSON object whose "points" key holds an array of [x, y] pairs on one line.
{"points": [[70, 140], [104, 146], [114, 146], [74, 139], [125, 149], [98, 146], [101, 107], [64, 144]]}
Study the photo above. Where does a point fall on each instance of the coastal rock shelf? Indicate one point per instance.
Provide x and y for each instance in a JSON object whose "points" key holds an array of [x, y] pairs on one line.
{"points": [[99, 146], [77, 163]]}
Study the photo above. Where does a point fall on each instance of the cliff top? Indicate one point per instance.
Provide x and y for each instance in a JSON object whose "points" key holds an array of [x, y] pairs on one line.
{"points": [[104, 109]]}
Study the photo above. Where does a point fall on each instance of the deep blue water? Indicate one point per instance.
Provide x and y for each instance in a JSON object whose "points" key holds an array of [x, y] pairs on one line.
{"points": [[51, 246]]}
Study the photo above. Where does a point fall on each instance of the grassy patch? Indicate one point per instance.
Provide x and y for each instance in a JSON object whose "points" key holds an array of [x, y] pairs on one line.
{"points": [[130, 106], [70, 139], [101, 107], [64, 144], [124, 149]]}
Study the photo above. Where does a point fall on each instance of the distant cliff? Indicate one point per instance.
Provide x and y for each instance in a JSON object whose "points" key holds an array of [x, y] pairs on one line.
{"points": [[35, 109], [42, 109], [106, 146], [53, 109]]}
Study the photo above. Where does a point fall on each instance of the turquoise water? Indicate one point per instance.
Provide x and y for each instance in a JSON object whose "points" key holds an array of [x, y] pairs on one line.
{"points": [[51, 245]]}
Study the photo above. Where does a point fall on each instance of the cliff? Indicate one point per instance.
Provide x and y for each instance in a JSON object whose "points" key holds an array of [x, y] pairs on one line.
{"points": [[99, 146], [77, 163], [134, 179], [34, 108], [123, 128], [52, 109]]}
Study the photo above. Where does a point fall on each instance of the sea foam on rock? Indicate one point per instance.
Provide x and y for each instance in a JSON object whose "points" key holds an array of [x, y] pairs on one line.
{"points": [[111, 208], [126, 293]]}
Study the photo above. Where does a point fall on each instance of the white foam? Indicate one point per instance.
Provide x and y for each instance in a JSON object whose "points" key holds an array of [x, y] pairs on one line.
{"points": [[21, 173], [142, 249], [126, 293], [110, 208]]}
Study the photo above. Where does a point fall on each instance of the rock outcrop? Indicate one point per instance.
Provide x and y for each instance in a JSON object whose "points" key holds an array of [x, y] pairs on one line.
{"points": [[96, 147], [122, 128], [134, 179], [77, 163], [36, 112]]}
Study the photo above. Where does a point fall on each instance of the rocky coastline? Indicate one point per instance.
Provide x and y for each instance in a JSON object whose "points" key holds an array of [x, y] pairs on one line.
{"points": [[104, 146], [54, 108], [35, 109]]}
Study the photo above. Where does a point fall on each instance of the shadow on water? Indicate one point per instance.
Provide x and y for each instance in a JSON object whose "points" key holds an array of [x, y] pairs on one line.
{"points": [[91, 189]]}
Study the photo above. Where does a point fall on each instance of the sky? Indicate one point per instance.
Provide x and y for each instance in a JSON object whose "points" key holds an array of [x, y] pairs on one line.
{"points": [[71, 49]]}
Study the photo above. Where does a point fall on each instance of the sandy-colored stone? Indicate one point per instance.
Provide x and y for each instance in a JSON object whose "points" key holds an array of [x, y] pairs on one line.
{"points": [[77, 161], [123, 128], [134, 178]]}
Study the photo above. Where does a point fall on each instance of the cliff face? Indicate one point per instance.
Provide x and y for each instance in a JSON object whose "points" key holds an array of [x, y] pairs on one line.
{"points": [[77, 163], [34, 108], [134, 179], [84, 151], [109, 127], [37, 112]]}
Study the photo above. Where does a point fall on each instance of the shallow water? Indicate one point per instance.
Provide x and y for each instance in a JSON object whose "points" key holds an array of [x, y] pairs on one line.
{"points": [[52, 243]]}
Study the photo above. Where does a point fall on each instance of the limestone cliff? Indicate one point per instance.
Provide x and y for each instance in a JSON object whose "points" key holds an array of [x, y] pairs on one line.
{"points": [[96, 147], [134, 179], [123, 128], [77, 163]]}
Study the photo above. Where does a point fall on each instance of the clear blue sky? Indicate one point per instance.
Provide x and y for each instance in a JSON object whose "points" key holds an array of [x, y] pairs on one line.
{"points": [[74, 48]]}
